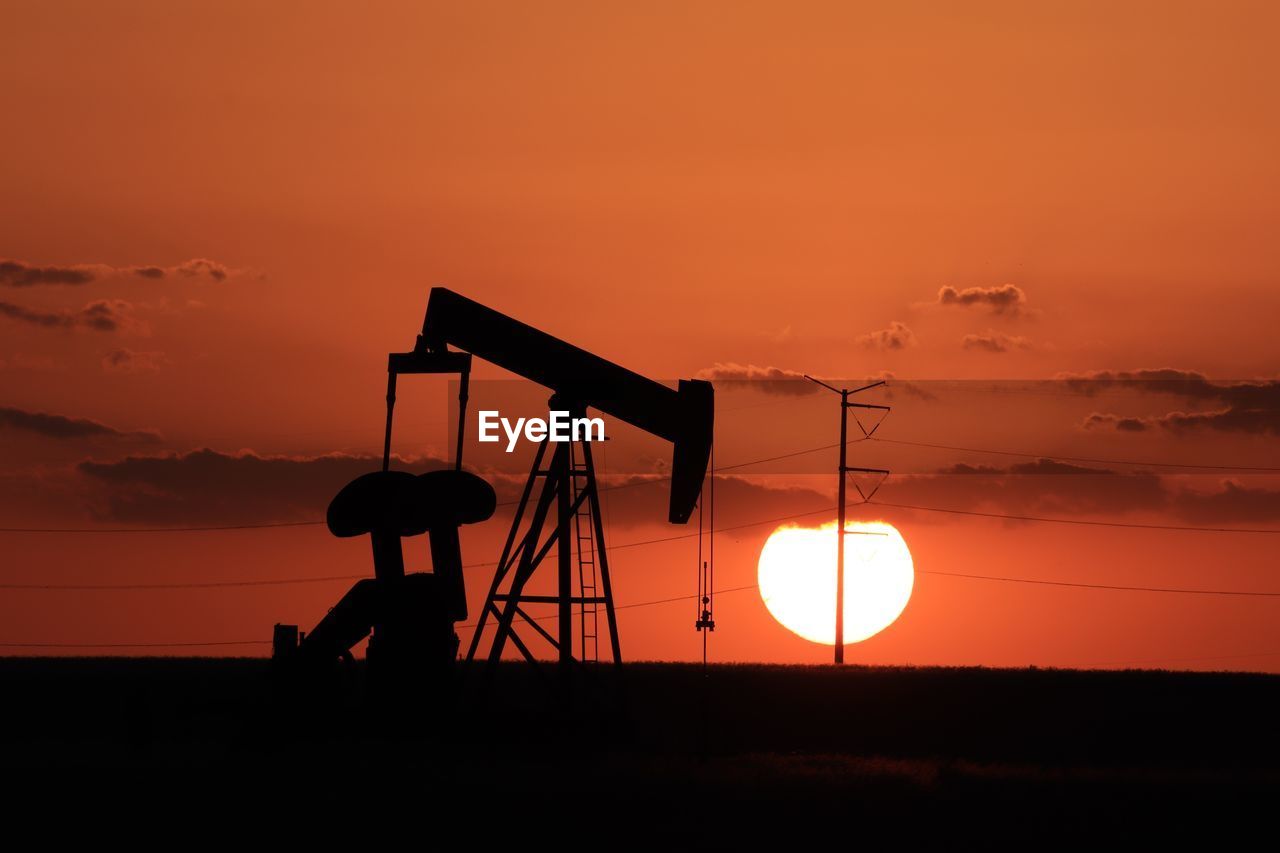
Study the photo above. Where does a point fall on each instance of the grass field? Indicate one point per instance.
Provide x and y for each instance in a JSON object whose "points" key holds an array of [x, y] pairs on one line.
{"points": [[929, 750]]}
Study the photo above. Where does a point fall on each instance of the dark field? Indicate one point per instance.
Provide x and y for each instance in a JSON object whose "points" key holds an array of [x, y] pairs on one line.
{"points": [[921, 752]]}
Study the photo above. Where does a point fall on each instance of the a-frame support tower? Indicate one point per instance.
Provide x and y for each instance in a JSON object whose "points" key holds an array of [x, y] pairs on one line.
{"points": [[564, 518]]}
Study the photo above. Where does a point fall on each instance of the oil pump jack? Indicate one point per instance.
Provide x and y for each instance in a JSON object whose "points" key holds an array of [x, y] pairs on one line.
{"points": [[410, 618]]}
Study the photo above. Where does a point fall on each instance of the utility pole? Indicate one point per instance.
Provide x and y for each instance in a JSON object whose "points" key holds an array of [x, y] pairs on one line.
{"points": [[844, 471], [840, 516]]}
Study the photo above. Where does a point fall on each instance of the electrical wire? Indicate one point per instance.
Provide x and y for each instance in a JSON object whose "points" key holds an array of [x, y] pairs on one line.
{"points": [[330, 578], [211, 643], [326, 578], [269, 525], [94, 587], [1060, 458], [1103, 586], [134, 645], [644, 542], [678, 598], [199, 529], [745, 464], [748, 463], [1084, 521]]}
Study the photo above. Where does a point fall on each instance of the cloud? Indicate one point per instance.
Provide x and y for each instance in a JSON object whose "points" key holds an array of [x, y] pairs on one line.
{"points": [[993, 341], [782, 382], [107, 315], [770, 380], [1250, 407], [101, 315], [66, 428], [896, 336], [22, 274], [912, 389], [1162, 380], [201, 266], [19, 274], [1188, 384], [48, 319], [1123, 423], [1043, 486], [209, 487], [1008, 299], [131, 361], [1251, 421], [1234, 503], [1049, 487]]}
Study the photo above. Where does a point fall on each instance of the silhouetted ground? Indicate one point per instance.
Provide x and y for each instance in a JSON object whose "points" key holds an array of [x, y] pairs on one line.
{"points": [[1036, 754]]}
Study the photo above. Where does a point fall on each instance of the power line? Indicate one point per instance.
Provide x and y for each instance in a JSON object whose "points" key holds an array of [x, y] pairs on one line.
{"points": [[1059, 458], [673, 599], [676, 538], [786, 455], [997, 578], [133, 645], [191, 585], [276, 524], [326, 578], [636, 604], [198, 529], [1092, 523], [211, 643], [1084, 521], [1116, 587]]}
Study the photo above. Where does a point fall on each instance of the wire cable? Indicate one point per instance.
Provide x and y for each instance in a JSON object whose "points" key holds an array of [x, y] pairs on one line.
{"points": [[199, 529], [1084, 521], [174, 585], [213, 643], [678, 598], [1104, 586], [134, 645], [327, 578], [659, 540], [738, 465], [1059, 458], [276, 524]]}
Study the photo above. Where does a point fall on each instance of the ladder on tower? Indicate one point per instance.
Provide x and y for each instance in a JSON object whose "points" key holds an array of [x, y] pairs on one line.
{"points": [[585, 546]]}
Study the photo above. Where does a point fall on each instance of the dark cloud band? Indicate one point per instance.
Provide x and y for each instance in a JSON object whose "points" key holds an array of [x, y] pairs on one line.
{"points": [[102, 315], [770, 380], [1003, 299], [67, 428], [895, 336], [1251, 407], [21, 274]]}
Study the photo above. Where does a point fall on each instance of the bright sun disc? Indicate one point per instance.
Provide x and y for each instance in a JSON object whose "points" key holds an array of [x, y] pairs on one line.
{"points": [[798, 579]]}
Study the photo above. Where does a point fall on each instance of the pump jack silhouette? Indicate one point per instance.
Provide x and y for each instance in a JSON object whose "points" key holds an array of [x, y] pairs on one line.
{"points": [[410, 618]]}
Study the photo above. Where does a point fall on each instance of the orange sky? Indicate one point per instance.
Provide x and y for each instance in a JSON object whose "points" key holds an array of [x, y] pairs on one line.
{"points": [[675, 187]]}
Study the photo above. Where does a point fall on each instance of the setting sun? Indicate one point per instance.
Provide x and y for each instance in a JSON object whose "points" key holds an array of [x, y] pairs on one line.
{"points": [[797, 578]]}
